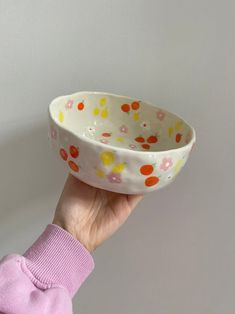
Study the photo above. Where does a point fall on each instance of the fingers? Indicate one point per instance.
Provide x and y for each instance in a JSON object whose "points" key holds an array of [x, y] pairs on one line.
{"points": [[71, 179], [80, 192], [134, 200], [74, 183], [77, 187]]}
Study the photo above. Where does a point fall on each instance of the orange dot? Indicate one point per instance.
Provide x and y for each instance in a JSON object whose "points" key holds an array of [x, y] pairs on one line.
{"points": [[73, 166], [151, 181], [146, 170], [178, 137], [135, 105], [125, 107], [63, 154], [80, 106], [106, 134], [73, 151], [139, 139], [146, 146], [152, 139]]}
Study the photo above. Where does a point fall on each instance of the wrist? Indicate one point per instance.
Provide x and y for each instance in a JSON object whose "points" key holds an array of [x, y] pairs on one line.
{"points": [[64, 225], [73, 232]]}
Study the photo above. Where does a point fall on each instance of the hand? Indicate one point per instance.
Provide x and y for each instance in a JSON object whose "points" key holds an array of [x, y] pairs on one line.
{"points": [[90, 214]]}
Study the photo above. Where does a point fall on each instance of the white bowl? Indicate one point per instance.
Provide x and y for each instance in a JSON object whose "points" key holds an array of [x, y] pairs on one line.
{"points": [[118, 143]]}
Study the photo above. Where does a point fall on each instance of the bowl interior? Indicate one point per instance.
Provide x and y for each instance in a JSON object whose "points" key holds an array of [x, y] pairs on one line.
{"points": [[120, 121]]}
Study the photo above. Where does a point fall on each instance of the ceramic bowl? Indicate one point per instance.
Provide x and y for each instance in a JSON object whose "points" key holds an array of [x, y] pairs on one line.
{"points": [[118, 143]]}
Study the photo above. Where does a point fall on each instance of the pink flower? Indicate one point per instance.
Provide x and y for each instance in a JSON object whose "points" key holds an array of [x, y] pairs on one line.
{"points": [[123, 128], [69, 104], [166, 164], [160, 115], [114, 177], [132, 146], [104, 141], [53, 133]]}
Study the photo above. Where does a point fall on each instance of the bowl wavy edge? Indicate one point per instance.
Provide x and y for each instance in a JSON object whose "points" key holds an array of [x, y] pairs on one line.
{"points": [[112, 147]]}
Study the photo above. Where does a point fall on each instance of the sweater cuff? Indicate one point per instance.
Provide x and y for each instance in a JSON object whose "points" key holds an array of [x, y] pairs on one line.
{"points": [[58, 258]]}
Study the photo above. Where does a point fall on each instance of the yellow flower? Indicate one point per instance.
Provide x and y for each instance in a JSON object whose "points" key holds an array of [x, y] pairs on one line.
{"points": [[107, 158], [96, 111], [61, 116], [178, 125], [100, 173], [118, 168], [103, 102], [170, 131], [178, 166], [104, 113], [120, 139], [136, 116]]}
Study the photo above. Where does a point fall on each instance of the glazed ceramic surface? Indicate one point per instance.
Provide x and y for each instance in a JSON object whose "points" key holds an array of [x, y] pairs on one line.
{"points": [[117, 143]]}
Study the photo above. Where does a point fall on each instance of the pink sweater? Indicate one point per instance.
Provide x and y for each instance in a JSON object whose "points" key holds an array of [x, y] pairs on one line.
{"points": [[46, 277]]}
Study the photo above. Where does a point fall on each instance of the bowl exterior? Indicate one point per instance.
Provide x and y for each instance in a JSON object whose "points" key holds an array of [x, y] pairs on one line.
{"points": [[114, 169]]}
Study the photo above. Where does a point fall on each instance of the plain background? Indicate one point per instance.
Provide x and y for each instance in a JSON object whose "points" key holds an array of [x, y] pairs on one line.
{"points": [[176, 253]]}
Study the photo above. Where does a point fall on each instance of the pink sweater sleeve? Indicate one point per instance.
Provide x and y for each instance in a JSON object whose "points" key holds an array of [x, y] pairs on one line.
{"points": [[46, 277]]}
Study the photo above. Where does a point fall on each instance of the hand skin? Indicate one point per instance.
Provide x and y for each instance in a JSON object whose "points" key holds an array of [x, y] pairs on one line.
{"points": [[90, 214]]}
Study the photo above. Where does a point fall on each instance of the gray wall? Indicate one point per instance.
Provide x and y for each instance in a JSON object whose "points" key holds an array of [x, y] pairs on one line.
{"points": [[176, 254]]}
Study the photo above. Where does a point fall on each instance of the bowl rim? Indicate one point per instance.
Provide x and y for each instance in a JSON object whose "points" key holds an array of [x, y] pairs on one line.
{"points": [[116, 148]]}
